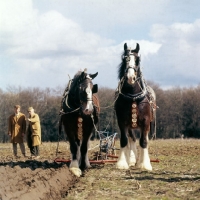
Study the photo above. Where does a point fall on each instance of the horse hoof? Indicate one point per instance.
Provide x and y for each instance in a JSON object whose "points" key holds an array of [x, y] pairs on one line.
{"points": [[132, 164], [88, 166], [149, 168], [76, 171], [122, 165], [144, 166]]}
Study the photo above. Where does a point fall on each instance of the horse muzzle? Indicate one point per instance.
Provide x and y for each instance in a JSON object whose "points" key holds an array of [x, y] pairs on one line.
{"points": [[131, 80], [131, 76], [88, 108]]}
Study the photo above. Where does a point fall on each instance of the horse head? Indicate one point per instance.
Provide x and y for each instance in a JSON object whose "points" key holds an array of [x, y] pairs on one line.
{"points": [[131, 61], [85, 90]]}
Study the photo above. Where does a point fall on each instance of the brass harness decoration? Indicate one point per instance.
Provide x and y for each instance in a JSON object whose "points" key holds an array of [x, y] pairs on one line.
{"points": [[80, 128], [134, 115]]}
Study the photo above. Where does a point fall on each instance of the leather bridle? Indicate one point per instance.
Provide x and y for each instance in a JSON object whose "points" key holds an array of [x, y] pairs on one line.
{"points": [[127, 60]]}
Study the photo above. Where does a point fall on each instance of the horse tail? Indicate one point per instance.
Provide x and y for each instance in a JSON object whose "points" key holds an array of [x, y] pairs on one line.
{"points": [[153, 128]]}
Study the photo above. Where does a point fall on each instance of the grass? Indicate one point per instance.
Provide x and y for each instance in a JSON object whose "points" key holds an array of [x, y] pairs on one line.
{"points": [[176, 176]]}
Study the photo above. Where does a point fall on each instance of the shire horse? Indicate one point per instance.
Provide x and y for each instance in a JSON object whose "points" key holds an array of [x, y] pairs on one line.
{"points": [[135, 109], [80, 108]]}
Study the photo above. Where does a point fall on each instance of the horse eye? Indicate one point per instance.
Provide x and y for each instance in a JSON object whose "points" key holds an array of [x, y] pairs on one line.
{"points": [[127, 59]]}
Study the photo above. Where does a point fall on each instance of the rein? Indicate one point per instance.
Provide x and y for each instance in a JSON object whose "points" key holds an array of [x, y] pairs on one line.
{"points": [[96, 127], [65, 113], [66, 94]]}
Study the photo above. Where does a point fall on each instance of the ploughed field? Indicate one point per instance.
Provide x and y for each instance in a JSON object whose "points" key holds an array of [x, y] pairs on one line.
{"points": [[176, 176]]}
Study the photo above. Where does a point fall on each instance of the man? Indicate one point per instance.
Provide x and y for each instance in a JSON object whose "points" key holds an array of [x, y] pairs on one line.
{"points": [[33, 133], [16, 130]]}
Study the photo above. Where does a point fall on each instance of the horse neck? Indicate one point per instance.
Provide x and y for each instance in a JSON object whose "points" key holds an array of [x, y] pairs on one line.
{"points": [[73, 99]]}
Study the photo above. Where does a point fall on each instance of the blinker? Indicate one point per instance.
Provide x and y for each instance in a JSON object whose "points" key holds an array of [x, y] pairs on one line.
{"points": [[95, 88]]}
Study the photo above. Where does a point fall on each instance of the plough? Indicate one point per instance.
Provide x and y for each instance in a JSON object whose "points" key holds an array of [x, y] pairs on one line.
{"points": [[106, 146], [98, 161]]}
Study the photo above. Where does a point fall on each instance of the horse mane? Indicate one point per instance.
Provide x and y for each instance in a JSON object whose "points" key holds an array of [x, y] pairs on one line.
{"points": [[75, 80], [122, 65]]}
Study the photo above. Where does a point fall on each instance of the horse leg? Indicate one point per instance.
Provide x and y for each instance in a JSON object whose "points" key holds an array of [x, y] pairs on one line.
{"points": [[75, 154], [85, 163], [144, 160], [132, 147], [122, 162]]}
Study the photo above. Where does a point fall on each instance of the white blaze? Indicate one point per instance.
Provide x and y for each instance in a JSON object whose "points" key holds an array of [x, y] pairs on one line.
{"points": [[132, 61], [89, 106], [131, 74]]}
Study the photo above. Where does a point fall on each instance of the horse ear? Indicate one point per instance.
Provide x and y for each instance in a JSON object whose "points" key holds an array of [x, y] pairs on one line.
{"points": [[95, 89], [82, 76], [136, 50], [93, 75], [125, 46]]}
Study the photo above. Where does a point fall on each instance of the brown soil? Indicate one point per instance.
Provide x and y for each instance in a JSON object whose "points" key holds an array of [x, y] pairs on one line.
{"points": [[31, 179], [41, 179]]}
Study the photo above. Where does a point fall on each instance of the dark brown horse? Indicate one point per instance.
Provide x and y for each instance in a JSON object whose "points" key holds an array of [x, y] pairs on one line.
{"points": [[135, 109], [80, 114]]}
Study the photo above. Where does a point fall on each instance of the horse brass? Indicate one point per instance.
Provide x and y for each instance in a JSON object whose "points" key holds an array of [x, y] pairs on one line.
{"points": [[134, 105], [134, 120], [134, 115], [134, 110], [80, 129], [79, 125], [80, 119], [134, 125], [80, 137], [79, 134]]}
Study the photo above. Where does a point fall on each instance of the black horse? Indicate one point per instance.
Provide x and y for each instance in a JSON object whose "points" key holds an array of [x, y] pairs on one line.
{"points": [[79, 116], [135, 109]]}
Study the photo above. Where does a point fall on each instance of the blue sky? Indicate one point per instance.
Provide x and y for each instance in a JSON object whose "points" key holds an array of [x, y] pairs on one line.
{"points": [[44, 41]]}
